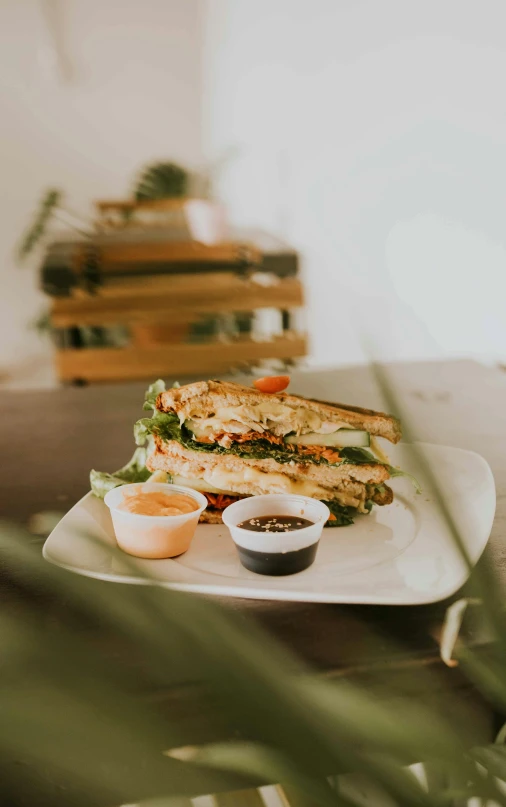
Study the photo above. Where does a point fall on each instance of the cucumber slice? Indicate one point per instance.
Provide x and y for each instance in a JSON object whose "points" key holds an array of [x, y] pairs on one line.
{"points": [[159, 476], [198, 484], [343, 438]]}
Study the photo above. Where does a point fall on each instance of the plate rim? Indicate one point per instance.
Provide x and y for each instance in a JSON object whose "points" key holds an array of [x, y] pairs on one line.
{"points": [[280, 595]]}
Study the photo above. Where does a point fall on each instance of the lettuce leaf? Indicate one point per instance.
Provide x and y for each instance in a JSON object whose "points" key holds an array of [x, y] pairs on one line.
{"points": [[166, 426], [134, 471], [361, 455], [152, 394], [343, 515], [393, 471], [358, 456], [159, 422]]}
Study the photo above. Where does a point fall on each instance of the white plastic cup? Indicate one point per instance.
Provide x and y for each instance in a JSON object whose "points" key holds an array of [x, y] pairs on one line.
{"points": [[153, 536], [276, 553]]}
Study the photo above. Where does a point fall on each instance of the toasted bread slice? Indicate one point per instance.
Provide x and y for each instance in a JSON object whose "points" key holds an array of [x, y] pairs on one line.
{"points": [[386, 496], [345, 483], [203, 398], [327, 475], [211, 517], [383, 496]]}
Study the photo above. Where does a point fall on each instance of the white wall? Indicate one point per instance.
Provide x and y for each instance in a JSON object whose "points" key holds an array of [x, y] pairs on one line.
{"points": [[134, 95], [373, 136]]}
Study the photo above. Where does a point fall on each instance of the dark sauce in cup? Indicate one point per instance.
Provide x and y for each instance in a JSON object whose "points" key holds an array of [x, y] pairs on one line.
{"points": [[276, 563], [275, 523]]}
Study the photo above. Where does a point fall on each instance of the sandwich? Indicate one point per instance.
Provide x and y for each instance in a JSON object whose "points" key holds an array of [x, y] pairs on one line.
{"points": [[230, 441]]}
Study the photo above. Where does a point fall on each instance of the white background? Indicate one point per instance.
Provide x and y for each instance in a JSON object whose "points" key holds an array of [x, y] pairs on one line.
{"points": [[133, 96], [369, 134], [372, 134]]}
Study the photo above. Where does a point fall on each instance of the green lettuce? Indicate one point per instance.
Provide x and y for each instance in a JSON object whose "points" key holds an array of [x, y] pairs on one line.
{"points": [[134, 471], [152, 394], [166, 426], [146, 428], [393, 471], [343, 515], [361, 455]]}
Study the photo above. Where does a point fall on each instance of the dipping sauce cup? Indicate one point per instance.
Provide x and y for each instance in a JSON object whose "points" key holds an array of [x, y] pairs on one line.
{"points": [[153, 536], [276, 553]]}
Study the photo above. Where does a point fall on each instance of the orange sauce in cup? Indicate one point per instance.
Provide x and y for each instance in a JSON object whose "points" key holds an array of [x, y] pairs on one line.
{"points": [[155, 524], [156, 503]]}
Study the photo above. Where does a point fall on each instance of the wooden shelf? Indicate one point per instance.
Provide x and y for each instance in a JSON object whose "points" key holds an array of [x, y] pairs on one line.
{"points": [[136, 363], [168, 299], [105, 206], [153, 297], [121, 257]]}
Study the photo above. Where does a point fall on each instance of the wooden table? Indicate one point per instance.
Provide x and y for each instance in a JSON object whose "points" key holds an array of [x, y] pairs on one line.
{"points": [[51, 439]]}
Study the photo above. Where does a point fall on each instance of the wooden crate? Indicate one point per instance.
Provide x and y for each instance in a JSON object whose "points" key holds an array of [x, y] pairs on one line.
{"points": [[177, 298], [78, 262], [122, 364], [125, 257], [173, 301]]}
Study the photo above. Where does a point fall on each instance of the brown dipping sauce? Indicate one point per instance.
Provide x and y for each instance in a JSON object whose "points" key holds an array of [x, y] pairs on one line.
{"points": [[275, 523]]}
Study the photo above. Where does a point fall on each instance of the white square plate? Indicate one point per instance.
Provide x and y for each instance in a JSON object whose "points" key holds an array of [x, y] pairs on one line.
{"points": [[402, 554]]}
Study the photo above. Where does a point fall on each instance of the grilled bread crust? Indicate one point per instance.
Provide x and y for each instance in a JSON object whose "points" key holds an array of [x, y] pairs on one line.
{"points": [[386, 496], [348, 484], [204, 397], [383, 496], [171, 453], [211, 517]]}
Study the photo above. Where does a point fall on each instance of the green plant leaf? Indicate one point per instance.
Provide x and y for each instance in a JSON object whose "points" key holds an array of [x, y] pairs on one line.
{"points": [[37, 229], [53, 680], [164, 180], [270, 765]]}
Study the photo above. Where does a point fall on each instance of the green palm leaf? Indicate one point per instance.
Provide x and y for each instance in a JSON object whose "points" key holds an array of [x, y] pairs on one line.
{"points": [[38, 228], [161, 181]]}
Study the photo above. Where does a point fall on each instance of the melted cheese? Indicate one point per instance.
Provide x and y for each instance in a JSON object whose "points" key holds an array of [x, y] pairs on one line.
{"points": [[228, 482], [267, 482], [378, 451], [273, 417], [199, 484]]}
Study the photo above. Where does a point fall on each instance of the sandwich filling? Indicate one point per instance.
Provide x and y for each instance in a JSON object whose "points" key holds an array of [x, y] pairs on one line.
{"points": [[229, 442], [275, 418]]}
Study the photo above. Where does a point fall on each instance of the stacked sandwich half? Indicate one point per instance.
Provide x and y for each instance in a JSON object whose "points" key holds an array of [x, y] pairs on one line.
{"points": [[230, 441]]}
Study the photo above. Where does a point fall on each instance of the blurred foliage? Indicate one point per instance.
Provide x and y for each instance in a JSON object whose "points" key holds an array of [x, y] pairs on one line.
{"points": [[161, 181], [97, 704], [164, 180], [38, 227], [82, 335], [114, 694], [42, 323]]}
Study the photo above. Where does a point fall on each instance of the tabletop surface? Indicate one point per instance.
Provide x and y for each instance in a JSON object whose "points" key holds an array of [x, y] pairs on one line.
{"points": [[51, 439]]}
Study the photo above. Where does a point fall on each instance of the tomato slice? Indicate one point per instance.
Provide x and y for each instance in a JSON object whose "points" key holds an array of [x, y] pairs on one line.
{"points": [[272, 383]]}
